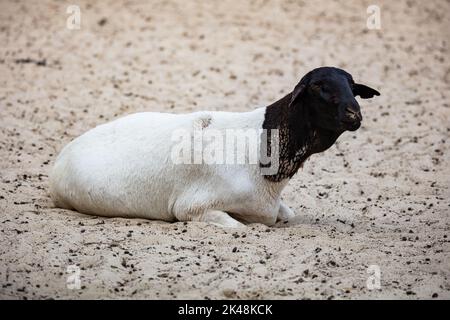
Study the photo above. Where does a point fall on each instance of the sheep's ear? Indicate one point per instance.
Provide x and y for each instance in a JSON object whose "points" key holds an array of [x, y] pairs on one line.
{"points": [[298, 90], [363, 91]]}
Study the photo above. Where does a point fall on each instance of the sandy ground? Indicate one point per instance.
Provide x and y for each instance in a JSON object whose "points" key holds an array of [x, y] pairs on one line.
{"points": [[380, 196]]}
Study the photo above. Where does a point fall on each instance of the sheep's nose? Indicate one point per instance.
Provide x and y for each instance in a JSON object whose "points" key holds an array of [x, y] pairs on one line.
{"points": [[353, 114]]}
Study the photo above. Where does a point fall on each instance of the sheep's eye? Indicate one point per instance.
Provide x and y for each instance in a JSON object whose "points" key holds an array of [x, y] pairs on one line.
{"points": [[317, 86]]}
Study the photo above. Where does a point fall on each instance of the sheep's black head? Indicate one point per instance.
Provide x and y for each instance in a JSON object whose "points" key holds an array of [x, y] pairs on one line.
{"points": [[329, 94]]}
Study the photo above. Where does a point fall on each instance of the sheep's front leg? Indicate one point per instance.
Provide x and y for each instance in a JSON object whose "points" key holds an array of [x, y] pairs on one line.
{"points": [[220, 218], [285, 213]]}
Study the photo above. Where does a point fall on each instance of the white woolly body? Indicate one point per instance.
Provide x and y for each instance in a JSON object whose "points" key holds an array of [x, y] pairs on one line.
{"points": [[124, 168]]}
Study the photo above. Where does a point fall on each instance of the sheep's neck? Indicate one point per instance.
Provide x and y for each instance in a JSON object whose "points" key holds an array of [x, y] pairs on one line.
{"points": [[298, 138]]}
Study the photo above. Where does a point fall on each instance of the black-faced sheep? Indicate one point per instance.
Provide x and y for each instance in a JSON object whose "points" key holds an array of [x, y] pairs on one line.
{"points": [[135, 166]]}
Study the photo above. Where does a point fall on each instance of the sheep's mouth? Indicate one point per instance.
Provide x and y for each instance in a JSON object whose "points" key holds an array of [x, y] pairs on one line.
{"points": [[351, 125]]}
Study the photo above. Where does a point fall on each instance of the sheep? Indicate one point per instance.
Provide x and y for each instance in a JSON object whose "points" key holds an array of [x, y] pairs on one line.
{"points": [[127, 168]]}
